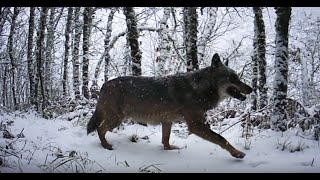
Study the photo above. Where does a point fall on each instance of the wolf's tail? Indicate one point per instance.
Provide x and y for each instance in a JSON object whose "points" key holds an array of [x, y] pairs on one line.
{"points": [[92, 125]]}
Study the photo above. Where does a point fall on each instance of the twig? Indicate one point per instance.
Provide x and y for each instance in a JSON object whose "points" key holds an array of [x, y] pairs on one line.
{"points": [[19, 135], [241, 119]]}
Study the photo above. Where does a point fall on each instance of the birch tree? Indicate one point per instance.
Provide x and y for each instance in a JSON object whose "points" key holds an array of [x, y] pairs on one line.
{"points": [[164, 45], [107, 46]]}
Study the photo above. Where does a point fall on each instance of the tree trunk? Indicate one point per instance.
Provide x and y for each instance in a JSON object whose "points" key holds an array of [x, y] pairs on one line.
{"points": [[164, 45], [133, 36], [280, 86], [260, 51], [39, 61], [11, 56], [66, 51], [87, 24], [107, 46], [49, 53], [254, 81], [5, 11], [75, 53], [30, 57], [305, 82], [190, 38]]}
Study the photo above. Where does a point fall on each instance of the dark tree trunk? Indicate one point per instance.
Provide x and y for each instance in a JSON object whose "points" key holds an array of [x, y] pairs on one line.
{"points": [[75, 54], [87, 23], [66, 52], [254, 78], [40, 60], [11, 56], [190, 18], [260, 51], [30, 56], [49, 53], [133, 36], [279, 115]]}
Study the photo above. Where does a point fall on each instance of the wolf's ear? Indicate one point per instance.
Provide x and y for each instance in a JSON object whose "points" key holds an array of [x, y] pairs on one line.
{"points": [[216, 62], [226, 62]]}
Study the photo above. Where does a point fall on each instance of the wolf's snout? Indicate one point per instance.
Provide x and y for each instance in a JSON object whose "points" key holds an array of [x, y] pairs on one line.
{"points": [[249, 90], [245, 89]]}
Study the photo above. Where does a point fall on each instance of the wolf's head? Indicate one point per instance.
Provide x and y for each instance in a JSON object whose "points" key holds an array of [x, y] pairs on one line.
{"points": [[227, 81]]}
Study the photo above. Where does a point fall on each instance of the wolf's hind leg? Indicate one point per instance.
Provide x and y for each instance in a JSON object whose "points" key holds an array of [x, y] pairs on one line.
{"points": [[108, 125], [166, 130], [102, 132]]}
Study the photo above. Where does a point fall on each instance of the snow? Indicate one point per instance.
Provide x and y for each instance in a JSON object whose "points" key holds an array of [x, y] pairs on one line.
{"points": [[45, 140]]}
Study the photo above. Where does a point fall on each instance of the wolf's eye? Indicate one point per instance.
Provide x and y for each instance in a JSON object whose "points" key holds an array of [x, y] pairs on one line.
{"points": [[233, 78]]}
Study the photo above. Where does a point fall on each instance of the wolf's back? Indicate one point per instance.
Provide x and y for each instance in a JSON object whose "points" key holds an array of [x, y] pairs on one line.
{"points": [[92, 125]]}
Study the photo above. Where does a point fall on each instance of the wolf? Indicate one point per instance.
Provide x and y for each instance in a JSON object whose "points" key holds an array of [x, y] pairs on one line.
{"points": [[154, 100]]}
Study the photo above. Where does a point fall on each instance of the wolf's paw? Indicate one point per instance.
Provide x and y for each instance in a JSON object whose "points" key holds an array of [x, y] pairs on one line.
{"points": [[238, 154], [107, 146], [171, 147]]}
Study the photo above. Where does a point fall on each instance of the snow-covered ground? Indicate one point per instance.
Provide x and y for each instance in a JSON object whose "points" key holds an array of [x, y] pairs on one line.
{"points": [[61, 146]]}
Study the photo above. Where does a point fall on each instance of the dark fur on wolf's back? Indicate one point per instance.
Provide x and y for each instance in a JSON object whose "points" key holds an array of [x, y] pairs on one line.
{"points": [[155, 100]]}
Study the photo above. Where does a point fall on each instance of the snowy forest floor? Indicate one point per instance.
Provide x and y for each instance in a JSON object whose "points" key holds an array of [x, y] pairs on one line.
{"points": [[57, 145]]}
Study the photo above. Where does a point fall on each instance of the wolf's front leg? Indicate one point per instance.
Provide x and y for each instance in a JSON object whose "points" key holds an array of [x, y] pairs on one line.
{"points": [[197, 126], [166, 130]]}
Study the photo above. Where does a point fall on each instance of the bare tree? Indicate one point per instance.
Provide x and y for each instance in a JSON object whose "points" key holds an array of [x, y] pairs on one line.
{"points": [[254, 80], [106, 56], [49, 51], [66, 53], [87, 26], [107, 46], [207, 32], [132, 37], [75, 53], [280, 86], [39, 61], [164, 45], [190, 19], [260, 53], [11, 53], [30, 56], [306, 52]]}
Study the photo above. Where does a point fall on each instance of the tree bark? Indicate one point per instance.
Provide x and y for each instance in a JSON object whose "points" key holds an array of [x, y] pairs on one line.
{"points": [[39, 61], [190, 18], [75, 53], [164, 45], [133, 36], [260, 51], [87, 25], [66, 52], [30, 57], [11, 56], [280, 86]]}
